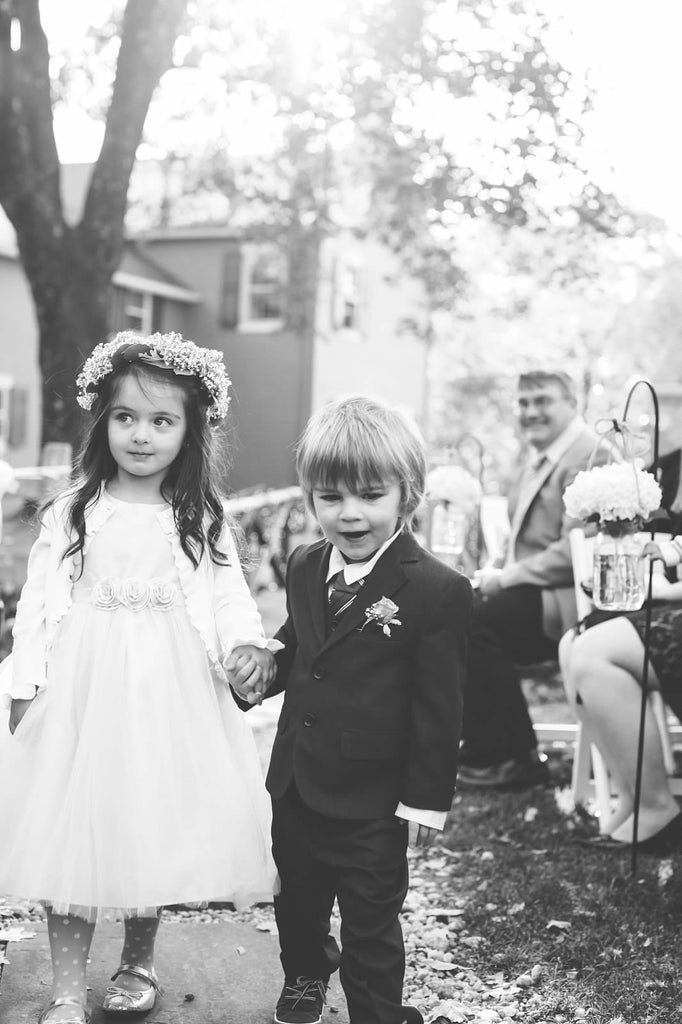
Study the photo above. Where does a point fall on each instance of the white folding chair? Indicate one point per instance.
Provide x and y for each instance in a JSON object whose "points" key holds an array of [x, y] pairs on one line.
{"points": [[590, 776]]}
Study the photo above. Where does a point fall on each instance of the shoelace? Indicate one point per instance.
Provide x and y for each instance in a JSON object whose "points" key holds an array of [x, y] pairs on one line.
{"points": [[305, 989]]}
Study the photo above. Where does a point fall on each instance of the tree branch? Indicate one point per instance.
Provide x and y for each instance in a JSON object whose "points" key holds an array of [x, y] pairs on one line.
{"points": [[29, 165]]}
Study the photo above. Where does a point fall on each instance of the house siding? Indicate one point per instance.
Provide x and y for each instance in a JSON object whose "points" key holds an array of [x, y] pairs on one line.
{"points": [[270, 372]]}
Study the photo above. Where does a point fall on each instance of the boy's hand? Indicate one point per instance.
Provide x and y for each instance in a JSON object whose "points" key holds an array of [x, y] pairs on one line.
{"points": [[250, 670], [18, 709], [420, 835]]}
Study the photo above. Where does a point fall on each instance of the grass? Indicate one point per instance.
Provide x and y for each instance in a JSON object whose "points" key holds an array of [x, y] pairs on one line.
{"points": [[614, 953]]}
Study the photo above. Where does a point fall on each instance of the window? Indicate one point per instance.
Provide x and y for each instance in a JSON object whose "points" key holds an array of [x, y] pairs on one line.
{"points": [[133, 309], [254, 288], [137, 311], [345, 296]]}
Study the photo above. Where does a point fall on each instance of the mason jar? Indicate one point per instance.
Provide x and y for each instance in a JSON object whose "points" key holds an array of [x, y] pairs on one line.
{"points": [[618, 569]]}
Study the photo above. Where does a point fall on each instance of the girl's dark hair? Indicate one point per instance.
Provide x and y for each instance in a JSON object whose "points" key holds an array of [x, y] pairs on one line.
{"points": [[188, 486]]}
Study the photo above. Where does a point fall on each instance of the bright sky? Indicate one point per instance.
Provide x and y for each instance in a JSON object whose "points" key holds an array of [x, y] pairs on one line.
{"points": [[629, 47], [632, 50]]}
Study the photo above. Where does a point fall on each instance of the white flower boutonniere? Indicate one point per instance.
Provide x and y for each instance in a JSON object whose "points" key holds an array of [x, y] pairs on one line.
{"points": [[383, 613]]}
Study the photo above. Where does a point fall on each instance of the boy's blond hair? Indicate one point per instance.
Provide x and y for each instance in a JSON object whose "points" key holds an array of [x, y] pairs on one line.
{"points": [[360, 441]]}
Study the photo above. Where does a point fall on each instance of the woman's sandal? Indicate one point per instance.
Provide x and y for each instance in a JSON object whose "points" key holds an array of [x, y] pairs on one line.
{"points": [[82, 1018], [122, 1001]]}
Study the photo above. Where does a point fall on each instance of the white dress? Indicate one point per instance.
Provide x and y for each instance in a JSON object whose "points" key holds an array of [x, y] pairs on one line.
{"points": [[133, 780]]}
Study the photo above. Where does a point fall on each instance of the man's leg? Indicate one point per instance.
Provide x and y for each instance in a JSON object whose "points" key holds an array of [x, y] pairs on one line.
{"points": [[506, 631]]}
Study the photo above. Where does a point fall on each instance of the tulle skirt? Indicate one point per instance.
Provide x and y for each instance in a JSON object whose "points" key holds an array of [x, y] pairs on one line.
{"points": [[133, 780]]}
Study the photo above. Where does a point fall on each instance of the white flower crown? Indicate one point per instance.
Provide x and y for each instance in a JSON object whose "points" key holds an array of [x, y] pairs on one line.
{"points": [[171, 350]]}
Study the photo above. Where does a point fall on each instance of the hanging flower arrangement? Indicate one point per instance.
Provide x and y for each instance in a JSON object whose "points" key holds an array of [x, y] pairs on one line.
{"points": [[618, 496], [453, 485]]}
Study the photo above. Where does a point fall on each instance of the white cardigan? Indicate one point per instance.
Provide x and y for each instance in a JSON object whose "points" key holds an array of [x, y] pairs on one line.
{"points": [[218, 600]]}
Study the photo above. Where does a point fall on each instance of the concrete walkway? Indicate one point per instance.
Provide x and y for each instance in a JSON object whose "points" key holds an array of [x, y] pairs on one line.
{"points": [[230, 969]]}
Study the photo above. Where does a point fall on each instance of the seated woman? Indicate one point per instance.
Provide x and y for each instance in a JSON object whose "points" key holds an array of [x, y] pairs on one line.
{"points": [[601, 664]]}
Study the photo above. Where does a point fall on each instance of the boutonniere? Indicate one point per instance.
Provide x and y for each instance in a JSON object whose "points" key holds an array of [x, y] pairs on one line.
{"points": [[383, 613]]}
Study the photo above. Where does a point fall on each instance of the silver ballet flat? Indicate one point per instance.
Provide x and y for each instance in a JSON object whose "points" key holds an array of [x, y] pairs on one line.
{"points": [[121, 1001], [82, 1018]]}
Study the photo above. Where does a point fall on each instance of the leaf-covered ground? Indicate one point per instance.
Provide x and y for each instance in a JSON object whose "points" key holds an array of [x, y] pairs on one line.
{"points": [[511, 918]]}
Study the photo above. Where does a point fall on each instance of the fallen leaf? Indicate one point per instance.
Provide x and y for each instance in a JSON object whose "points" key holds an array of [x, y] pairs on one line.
{"points": [[516, 908], [441, 965], [444, 912], [560, 925], [536, 973]]}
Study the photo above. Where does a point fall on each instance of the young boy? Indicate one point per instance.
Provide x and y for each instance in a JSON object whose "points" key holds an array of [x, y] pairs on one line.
{"points": [[364, 760]]}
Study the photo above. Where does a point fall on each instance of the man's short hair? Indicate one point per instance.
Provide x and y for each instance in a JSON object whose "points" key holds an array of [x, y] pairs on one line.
{"points": [[540, 379]]}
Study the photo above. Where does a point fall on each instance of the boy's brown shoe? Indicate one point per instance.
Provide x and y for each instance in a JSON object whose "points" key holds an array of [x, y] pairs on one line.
{"points": [[301, 1001]]}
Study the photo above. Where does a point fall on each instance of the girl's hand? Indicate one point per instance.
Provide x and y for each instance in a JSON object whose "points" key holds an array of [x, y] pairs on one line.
{"points": [[18, 709], [420, 835], [250, 671]]}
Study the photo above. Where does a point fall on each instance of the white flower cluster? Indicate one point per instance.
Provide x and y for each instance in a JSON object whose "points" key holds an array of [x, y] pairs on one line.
{"points": [[182, 357], [613, 493], [454, 485], [110, 593], [8, 481]]}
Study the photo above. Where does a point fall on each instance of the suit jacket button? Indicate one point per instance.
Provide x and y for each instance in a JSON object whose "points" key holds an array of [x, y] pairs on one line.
{"points": [[318, 675], [309, 720]]}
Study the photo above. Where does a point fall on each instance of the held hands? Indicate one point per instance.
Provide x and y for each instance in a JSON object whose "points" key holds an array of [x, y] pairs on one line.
{"points": [[250, 671], [18, 709], [488, 581]]}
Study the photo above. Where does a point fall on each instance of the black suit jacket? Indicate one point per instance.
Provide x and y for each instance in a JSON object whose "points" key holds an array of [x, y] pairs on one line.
{"points": [[369, 719]]}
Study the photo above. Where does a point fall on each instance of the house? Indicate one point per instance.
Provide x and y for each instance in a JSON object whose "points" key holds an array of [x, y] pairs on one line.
{"points": [[354, 329]]}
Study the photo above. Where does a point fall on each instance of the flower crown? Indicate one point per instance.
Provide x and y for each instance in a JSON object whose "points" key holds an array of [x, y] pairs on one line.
{"points": [[170, 350]]}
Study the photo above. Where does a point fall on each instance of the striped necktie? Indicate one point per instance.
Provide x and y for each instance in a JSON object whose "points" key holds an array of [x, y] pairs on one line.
{"points": [[341, 595]]}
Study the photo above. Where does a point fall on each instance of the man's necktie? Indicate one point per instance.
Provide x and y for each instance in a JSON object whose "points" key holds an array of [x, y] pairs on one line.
{"points": [[341, 595]]}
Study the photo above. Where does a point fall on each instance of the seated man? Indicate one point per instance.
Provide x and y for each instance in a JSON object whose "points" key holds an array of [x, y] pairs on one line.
{"points": [[525, 605]]}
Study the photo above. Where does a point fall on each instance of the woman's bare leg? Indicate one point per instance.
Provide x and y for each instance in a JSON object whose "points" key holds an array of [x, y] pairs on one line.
{"points": [[605, 667]]}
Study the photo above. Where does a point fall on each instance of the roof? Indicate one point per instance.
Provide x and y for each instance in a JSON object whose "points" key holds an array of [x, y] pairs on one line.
{"points": [[139, 271]]}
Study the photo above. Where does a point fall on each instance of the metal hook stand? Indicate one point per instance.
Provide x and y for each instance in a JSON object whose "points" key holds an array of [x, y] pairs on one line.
{"points": [[647, 636]]}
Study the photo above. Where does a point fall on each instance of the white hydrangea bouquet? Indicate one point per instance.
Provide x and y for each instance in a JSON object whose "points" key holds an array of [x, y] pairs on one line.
{"points": [[619, 496], [453, 486]]}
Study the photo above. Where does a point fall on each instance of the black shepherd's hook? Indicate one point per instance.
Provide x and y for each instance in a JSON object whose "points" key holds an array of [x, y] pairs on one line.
{"points": [[647, 633]]}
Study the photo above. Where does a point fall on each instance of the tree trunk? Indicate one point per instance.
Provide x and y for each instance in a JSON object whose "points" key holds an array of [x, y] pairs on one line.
{"points": [[71, 321], [70, 269]]}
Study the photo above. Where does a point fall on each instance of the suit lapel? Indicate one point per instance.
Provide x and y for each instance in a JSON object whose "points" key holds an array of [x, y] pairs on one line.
{"points": [[526, 498], [387, 577], [316, 589]]}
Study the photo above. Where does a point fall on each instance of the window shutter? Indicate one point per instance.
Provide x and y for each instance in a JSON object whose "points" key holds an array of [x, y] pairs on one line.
{"points": [[229, 305], [18, 412], [116, 309]]}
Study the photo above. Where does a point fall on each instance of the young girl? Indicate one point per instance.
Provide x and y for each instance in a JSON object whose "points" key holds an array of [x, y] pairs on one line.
{"points": [[135, 781]]}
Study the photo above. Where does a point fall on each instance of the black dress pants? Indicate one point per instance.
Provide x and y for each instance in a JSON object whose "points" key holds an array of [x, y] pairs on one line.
{"points": [[363, 865], [506, 632]]}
